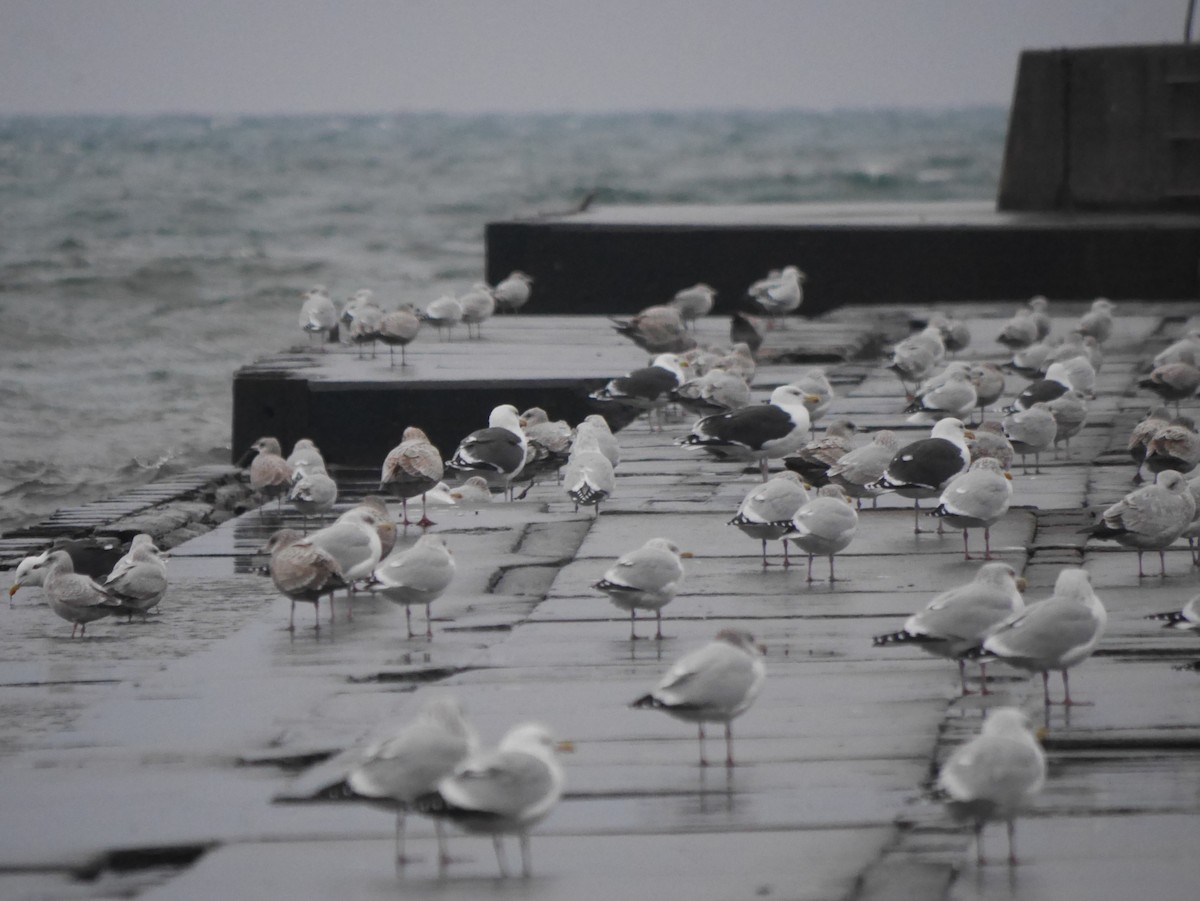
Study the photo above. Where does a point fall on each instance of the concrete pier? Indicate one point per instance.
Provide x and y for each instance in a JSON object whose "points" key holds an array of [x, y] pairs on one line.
{"points": [[179, 759]]}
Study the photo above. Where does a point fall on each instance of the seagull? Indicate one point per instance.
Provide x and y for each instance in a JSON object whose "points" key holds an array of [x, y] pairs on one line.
{"points": [[399, 328], [858, 470], [498, 452], [270, 474], [746, 329], [778, 296], [588, 478], [474, 490], [73, 596], [990, 441], [313, 491], [713, 684], [419, 575], [362, 317], [813, 460], [318, 315], [824, 525], [645, 579], [306, 453], [478, 305], [995, 775], [412, 467], [381, 520], [922, 468], [976, 499], [1070, 413], [761, 432], [950, 393], [139, 580], [1143, 433], [1056, 383], [89, 556], [1020, 331], [1031, 431], [957, 621], [656, 330], [914, 358], [513, 291], [646, 389], [1175, 446], [955, 334], [444, 312], [549, 446], [717, 391], [694, 302], [412, 761], [1098, 321], [605, 439], [1038, 311], [303, 572], [353, 541], [739, 360], [988, 380], [1173, 382], [767, 510], [818, 392], [1149, 518], [1187, 618], [1055, 634], [1184, 350], [502, 792]]}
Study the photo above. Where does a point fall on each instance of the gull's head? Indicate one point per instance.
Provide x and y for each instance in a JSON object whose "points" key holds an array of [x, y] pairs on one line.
{"points": [[1073, 583], [741, 639], [534, 738], [281, 539], [1010, 721], [505, 416], [951, 429]]}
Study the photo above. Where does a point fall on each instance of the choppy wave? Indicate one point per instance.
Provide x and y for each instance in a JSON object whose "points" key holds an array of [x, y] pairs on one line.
{"points": [[142, 260]]}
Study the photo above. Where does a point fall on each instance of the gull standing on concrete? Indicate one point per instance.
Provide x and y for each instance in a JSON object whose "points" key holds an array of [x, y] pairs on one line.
{"points": [[89, 557], [995, 775], [1143, 433], [988, 380], [411, 761], [444, 312], [412, 467], [777, 297], [1185, 350], [813, 461], [694, 302], [717, 391], [513, 291], [858, 470], [503, 792], [824, 526], [922, 468], [915, 358], [1070, 414], [318, 315], [478, 305], [589, 478], [818, 392], [607, 442], [761, 432], [139, 580], [313, 491], [1055, 634], [306, 453], [1173, 382], [549, 446], [646, 389], [990, 441], [1031, 432], [950, 393], [381, 519], [75, 597], [362, 317], [957, 621], [497, 453], [976, 499], [354, 543], [767, 510], [713, 684], [1020, 331], [1098, 321], [303, 572], [955, 334], [419, 575], [645, 579], [1150, 518], [1056, 383], [270, 474], [656, 330], [399, 328], [1175, 446]]}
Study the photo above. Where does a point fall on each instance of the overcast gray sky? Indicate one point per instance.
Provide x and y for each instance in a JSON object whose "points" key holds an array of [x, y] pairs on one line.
{"points": [[298, 56]]}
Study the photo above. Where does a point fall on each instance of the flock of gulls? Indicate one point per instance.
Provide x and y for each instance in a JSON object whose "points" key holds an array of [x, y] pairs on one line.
{"points": [[816, 504]]}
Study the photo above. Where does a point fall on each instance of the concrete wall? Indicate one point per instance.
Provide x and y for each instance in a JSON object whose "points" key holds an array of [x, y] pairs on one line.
{"points": [[1104, 128]]}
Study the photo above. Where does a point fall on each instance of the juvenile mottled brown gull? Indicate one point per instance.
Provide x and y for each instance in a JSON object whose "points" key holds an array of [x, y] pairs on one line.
{"points": [[270, 474], [412, 467], [1055, 634], [1149, 518], [503, 792], [858, 470], [645, 579], [713, 684], [813, 461], [657, 329], [303, 572], [399, 328], [411, 762], [1175, 446], [419, 575], [995, 775], [957, 621]]}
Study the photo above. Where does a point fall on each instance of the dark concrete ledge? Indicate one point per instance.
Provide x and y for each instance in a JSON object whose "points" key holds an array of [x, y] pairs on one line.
{"points": [[620, 259]]}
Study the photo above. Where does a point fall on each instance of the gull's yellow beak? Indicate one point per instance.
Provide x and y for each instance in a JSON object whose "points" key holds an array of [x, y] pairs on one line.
{"points": [[1022, 583], [1040, 734], [967, 433], [686, 555], [812, 398], [13, 590], [1008, 475], [565, 747]]}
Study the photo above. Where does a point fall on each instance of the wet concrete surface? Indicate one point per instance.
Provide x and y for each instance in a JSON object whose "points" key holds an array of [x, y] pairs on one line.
{"points": [[179, 758]]}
